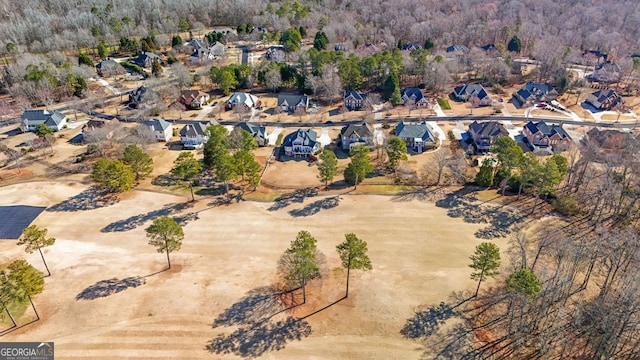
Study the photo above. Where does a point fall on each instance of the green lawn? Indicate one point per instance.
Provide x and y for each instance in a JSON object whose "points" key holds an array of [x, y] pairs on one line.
{"points": [[444, 104]]}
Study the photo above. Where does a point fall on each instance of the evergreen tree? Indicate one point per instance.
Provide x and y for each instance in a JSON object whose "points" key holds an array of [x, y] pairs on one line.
{"points": [[327, 166], [485, 262], [514, 44], [187, 168], [166, 235], [139, 161], [359, 166], [353, 254], [484, 177], [34, 239]]}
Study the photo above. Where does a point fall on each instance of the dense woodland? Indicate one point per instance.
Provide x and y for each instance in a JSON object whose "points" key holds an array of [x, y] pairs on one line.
{"points": [[40, 26]]}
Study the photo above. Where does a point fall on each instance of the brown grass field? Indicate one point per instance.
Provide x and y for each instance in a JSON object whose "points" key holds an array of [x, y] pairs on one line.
{"points": [[106, 299]]}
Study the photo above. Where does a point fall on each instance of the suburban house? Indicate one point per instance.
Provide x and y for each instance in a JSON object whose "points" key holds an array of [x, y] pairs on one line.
{"points": [[301, 143], [55, 120], [354, 135], [110, 127], [354, 100], [293, 102], [258, 132], [467, 91], [544, 138], [239, 98], [193, 99], [607, 72], [109, 67], [532, 93], [484, 134], [457, 49], [161, 128], [193, 136], [593, 57], [418, 137], [604, 99], [491, 47], [203, 53], [146, 59], [414, 96], [140, 95], [411, 47]]}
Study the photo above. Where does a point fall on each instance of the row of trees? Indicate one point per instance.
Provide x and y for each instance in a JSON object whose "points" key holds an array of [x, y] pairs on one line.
{"points": [[300, 263]]}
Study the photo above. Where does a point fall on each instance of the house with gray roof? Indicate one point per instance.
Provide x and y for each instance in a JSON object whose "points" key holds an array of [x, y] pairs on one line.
{"points": [[485, 133], [193, 136], [468, 91], [533, 92], [162, 129], [146, 59], [293, 102], [356, 135], [418, 137], [415, 96], [354, 100], [55, 120], [604, 99], [142, 95], [301, 143], [109, 67], [546, 139], [607, 72], [258, 132], [457, 49], [203, 53], [411, 47], [240, 98]]}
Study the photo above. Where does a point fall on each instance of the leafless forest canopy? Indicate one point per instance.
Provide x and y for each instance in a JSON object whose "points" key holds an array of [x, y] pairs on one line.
{"points": [[609, 26]]}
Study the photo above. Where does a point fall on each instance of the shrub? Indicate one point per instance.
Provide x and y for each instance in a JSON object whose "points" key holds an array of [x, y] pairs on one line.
{"points": [[279, 140], [444, 104], [386, 126], [566, 205], [132, 67], [172, 60]]}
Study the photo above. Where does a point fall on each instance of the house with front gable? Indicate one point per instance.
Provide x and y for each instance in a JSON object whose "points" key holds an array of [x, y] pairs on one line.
{"points": [[193, 99], [604, 99], [293, 102], [415, 96], [258, 132], [533, 92], [607, 72], [468, 91], [418, 137], [356, 135], [54, 120], [546, 139], [162, 129], [354, 100], [247, 100], [203, 53], [411, 47], [485, 133], [301, 143], [193, 136], [146, 59], [109, 67]]}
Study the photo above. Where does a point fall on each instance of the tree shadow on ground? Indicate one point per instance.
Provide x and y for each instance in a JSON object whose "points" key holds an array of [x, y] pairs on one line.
{"points": [[463, 204], [316, 206], [426, 323], [137, 220], [165, 180], [104, 288], [297, 196], [255, 341], [257, 332], [90, 199], [420, 194]]}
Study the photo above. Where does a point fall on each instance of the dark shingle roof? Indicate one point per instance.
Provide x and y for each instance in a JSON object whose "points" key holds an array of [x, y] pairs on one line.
{"points": [[292, 99], [604, 94], [457, 48], [412, 93], [36, 117], [471, 90], [243, 98], [254, 130], [355, 94], [548, 130], [193, 130], [411, 46], [362, 130], [534, 90], [488, 129], [309, 136]]}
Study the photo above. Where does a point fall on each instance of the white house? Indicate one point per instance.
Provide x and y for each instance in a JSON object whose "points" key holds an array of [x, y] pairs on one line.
{"points": [[55, 120], [161, 128], [193, 136]]}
